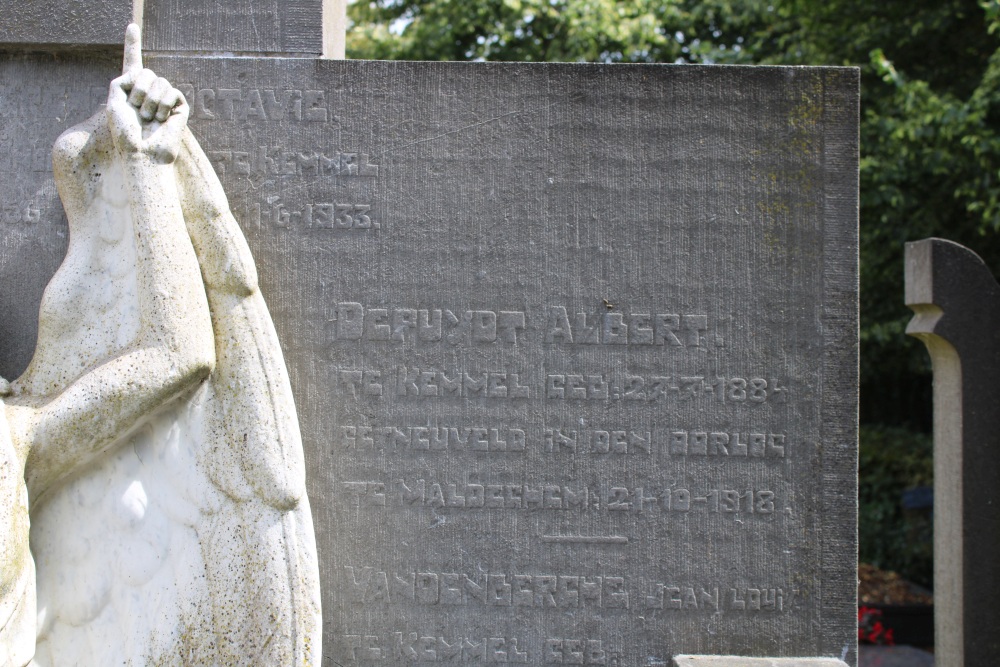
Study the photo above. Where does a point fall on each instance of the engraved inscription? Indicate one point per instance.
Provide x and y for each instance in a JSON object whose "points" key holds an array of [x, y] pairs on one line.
{"points": [[671, 442], [279, 161], [718, 443], [575, 652], [319, 216], [257, 104], [407, 646], [430, 383], [569, 378], [595, 442], [598, 442], [547, 496], [432, 438], [356, 321], [399, 325], [424, 493], [420, 647], [727, 501], [371, 586], [412, 646], [616, 328], [36, 159], [437, 383], [20, 214], [603, 387], [696, 598]]}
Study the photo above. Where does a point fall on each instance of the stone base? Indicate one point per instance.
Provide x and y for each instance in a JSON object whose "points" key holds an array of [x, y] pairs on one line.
{"points": [[738, 661]]}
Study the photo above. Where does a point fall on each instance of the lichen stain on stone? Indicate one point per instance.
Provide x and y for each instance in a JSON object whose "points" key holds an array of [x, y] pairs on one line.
{"points": [[788, 184]]}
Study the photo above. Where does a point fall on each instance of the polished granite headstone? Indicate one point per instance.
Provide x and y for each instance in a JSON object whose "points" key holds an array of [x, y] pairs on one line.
{"points": [[574, 347]]}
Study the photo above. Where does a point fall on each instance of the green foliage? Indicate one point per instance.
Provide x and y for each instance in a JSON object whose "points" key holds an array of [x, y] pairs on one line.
{"points": [[551, 30], [894, 460]]}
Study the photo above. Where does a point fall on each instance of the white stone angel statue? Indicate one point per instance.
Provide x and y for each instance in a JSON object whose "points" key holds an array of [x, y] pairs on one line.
{"points": [[185, 536]]}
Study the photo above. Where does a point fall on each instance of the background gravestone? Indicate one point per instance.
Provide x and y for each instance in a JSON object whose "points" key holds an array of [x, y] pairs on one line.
{"points": [[955, 299], [574, 347]]}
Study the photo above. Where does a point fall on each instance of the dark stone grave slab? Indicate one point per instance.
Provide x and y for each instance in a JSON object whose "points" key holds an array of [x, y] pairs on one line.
{"points": [[574, 347], [957, 304]]}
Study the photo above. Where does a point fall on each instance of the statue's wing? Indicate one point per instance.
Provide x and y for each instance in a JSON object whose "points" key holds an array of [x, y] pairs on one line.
{"points": [[120, 573], [261, 557], [261, 427]]}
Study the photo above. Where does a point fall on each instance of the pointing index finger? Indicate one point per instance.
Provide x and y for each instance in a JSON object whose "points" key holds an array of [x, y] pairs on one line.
{"points": [[133, 49]]}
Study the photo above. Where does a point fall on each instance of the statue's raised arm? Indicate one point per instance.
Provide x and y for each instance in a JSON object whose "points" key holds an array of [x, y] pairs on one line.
{"points": [[174, 349], [46, 436]]}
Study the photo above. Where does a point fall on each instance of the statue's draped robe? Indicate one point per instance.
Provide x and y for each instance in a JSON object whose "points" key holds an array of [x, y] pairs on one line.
{"points": [[17, 571], [190, 541]]}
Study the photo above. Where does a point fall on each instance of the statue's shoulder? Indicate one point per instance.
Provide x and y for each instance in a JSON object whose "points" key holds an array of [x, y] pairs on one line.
{"points": [[81, 141], [79, 156]]}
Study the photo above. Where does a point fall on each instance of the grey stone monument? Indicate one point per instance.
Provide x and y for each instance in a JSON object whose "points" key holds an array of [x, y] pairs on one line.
{"points": [[957, 306], [573, 347], [57, 24], [286, 27]]}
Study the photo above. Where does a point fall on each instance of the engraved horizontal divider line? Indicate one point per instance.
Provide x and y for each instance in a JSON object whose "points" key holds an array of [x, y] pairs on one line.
{"points": [[585, 539]]}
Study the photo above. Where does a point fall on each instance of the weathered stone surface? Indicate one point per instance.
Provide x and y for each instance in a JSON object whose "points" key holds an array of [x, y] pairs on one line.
{"points": [[957, 306], [277, 27], [60, 23], [574, 347], [42, 96], [235, 26], [738, 661]]}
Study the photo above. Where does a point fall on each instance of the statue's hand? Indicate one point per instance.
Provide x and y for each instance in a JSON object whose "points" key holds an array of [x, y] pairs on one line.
{"points": [[145, 113]]}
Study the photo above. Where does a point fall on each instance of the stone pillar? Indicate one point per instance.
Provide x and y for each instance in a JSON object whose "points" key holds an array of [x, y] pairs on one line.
{"points": [[957, 306], [334, 29]]}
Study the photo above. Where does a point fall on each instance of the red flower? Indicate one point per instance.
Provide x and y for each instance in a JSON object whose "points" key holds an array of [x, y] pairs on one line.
{"points": [[871, 630]]}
